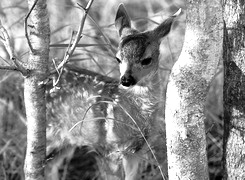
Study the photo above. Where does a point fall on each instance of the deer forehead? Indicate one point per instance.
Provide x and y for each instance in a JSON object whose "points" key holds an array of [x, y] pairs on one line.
{"points": [[135, 51], [135, 48], [132, 46]]}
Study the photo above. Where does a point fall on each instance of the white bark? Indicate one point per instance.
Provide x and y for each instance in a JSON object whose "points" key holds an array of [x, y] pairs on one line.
{"points": [[187, 90], [34, 92]]}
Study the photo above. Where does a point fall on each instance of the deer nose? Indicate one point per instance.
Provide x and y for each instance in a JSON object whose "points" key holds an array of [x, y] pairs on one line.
{"points": [[128, 80]]}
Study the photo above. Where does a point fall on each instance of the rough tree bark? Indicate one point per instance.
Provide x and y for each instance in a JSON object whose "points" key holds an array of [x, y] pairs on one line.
{"points": [[34, 91], [187, 90], [234, 90]]}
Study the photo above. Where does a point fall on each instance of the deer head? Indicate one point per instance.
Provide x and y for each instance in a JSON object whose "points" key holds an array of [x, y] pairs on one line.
{"points": [[138, 52]]}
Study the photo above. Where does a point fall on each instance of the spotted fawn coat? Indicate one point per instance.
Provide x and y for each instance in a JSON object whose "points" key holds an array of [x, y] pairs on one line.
{"points": [[114, 118]]}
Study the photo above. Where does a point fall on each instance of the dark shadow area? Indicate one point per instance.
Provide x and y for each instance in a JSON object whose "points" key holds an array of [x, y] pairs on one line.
{"points": [[234, 86]]}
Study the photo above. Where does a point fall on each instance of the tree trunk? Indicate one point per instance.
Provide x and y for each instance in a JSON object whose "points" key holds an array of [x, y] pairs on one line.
{"points": [[34, 91], [187, 90], [234, 90]]}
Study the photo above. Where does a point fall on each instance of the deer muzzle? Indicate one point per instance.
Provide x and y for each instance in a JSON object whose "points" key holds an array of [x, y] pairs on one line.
{"points": [[128, 80]]}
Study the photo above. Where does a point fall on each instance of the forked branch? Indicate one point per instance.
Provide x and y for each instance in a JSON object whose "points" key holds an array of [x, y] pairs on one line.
{"points": [[72, 46], [18, 66]]}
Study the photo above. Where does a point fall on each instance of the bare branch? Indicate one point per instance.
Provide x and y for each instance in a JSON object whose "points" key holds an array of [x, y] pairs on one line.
{"points": [[2, 170], [25, 24], [11, 68], [77, 38], [78, 45], [105, 38], [66, 53], [6, 41], [4, 59]]}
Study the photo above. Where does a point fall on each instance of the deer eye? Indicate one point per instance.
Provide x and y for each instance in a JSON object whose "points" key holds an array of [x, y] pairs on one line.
{"points": [[146, 61], [118, 60]]}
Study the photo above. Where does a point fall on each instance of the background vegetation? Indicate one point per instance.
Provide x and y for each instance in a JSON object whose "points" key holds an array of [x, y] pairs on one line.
{"points": [[96, 52]]}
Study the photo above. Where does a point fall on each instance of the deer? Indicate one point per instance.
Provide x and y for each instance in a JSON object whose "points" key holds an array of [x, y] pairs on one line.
{"points": [[115, 120]]}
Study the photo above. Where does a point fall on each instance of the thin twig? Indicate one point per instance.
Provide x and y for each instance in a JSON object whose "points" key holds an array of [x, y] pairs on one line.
{"points": [[55, 66], [106, 39], [6, 40], [18, 66], [79, 45], [101, 69], [25, 24], [99, 118], [77, 38], [4, 59], [5, 146], [11, 68], [143, 136], [112, 102], [4, 77], [70, 43], [62, 68]]}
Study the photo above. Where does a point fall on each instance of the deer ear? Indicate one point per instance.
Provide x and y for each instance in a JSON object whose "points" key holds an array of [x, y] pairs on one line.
{"points": [[122, 21], [164, 28]]}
